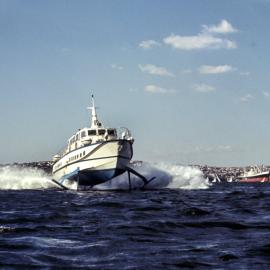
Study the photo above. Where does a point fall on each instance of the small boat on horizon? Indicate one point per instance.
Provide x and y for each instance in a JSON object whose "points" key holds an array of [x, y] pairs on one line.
{"points": [[254, 175]]}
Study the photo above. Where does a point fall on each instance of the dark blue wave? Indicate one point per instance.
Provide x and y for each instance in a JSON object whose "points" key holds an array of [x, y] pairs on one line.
{"points": [[223, 227]]}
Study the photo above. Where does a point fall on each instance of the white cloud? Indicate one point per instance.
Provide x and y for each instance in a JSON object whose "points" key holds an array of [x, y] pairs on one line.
{"points": [[215, 69], [206, 39], [154, 89], [114, 66], [155, 70], [148, 44], [65, 50], [246, 98], [203, 88], [200, 41], [266, 94], [214, 149], [224, 27], [245, 73], [225, 147]]}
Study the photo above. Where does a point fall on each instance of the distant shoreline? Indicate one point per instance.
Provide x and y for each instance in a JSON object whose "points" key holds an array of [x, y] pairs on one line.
{"points": [[224, 173]]}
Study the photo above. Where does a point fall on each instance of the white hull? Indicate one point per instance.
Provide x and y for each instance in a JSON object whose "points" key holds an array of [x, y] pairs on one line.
{"points": [[93, 164]]}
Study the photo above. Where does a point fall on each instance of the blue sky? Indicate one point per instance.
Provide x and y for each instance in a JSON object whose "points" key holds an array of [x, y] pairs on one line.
{"points": [[189, 78]]}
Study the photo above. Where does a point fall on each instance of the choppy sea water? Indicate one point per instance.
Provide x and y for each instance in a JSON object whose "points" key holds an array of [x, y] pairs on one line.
{"points": [[180, 223]]}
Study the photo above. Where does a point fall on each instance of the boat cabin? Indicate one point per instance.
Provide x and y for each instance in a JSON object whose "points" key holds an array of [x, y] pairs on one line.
{"points": [[88, 136], [96, 133]]}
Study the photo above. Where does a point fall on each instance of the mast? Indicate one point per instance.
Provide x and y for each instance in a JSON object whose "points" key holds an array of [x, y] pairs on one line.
{"points": [[94, 123]]}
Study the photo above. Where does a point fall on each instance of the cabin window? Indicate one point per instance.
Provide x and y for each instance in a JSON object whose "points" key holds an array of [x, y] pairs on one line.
{"points": [[83, 152], [77, 137], [111, 132], [82, 134], [101, 131], [92, 132]]}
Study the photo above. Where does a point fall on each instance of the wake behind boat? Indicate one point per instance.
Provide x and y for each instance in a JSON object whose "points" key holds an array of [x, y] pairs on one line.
{"points": [[93, 155]]}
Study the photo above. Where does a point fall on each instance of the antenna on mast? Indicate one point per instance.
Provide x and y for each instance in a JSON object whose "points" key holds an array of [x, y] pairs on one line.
{"points": [[95, 123]]}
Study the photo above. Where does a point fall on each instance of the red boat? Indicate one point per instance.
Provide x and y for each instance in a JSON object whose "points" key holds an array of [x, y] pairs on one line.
{"points": [[254, 175]]}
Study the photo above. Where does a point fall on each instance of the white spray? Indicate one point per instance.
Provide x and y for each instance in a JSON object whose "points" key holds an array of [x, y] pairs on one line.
{"points": [[166, 176], [15, 177]]}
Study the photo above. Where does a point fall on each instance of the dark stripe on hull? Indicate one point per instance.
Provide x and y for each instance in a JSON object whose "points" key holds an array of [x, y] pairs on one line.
{"points": [[95, 177]]}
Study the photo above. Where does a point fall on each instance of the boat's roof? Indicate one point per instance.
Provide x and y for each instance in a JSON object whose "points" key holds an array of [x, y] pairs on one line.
{"points": [[96, 127], [92, 131]]}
